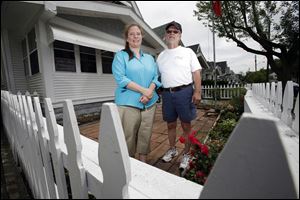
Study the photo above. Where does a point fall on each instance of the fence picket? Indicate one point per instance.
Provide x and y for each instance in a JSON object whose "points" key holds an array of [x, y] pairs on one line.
{"points": [[73, 142], [56, 151], [295, 125], [44, 149], [287, 104], [278, 99], [44, 193], [115, 166]]}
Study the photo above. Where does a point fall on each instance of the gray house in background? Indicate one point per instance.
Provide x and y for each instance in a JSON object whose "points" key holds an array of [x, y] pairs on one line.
{"points": [[64, 50]]}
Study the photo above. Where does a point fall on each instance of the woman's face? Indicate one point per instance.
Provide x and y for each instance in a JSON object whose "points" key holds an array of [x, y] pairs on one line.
{"points": [[134, 37]]}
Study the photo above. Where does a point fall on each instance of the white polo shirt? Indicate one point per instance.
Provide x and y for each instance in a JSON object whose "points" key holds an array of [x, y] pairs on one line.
{"points": [[176, 66]]}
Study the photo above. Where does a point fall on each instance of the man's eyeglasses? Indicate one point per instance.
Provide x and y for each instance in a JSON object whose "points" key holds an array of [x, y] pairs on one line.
{"points": [[169, 32]]}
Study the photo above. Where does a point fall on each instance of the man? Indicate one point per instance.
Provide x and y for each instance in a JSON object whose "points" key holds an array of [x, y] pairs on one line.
{"points": [[180, 71]]}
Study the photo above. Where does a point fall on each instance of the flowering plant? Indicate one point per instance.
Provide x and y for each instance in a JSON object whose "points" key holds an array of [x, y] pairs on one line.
{"points": [[202, 162]]}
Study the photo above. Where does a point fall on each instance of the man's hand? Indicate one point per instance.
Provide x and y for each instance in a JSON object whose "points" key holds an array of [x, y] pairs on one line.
{"points": [[196, 99]]}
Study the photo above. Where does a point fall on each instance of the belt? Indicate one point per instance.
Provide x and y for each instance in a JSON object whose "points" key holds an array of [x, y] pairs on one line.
{"points": [[176, 89]]}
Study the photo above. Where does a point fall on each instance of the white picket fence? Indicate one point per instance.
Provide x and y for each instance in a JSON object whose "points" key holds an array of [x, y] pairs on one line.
{"points": [[223, 92], [260, 159], [49, 154], [271, 98]]}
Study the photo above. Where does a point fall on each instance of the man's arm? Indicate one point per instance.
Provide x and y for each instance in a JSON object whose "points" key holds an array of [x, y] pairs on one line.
{"points": [[197, 86]]}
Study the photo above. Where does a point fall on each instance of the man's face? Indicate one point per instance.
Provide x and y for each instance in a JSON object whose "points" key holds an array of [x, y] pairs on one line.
{"points": [[173, 35]]}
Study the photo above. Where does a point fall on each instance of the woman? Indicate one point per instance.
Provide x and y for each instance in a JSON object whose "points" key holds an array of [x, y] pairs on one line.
{"points": [[135, 73]]}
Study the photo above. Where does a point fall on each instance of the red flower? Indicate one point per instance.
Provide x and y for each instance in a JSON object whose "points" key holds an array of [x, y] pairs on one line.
{"points": [[182, 139], [204, 149], [192, 152], [191, 164], [194, 140], [199, 174]]}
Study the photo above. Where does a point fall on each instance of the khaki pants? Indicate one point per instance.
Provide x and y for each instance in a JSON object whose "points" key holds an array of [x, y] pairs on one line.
{"points": [[137, 125]]}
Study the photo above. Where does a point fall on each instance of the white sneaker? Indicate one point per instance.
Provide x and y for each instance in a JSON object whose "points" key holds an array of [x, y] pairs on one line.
{"points": [[185, 161], [170, 154]]}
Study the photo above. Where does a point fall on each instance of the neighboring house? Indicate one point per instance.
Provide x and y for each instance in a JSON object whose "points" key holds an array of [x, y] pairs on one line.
{"points": [[64, 50], [207, 70], [224, 73]]}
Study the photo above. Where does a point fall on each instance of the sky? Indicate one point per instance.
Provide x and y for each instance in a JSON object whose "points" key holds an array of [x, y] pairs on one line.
{"points": [[157, 13]]}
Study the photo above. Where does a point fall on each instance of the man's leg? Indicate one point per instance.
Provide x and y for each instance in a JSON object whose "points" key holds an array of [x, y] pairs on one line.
{"points": [[172, 152], [172, 133], [186, 126]]}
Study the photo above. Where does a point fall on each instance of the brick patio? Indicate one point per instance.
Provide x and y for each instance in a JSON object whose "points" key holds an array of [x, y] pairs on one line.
{"points": [[159, 140]]}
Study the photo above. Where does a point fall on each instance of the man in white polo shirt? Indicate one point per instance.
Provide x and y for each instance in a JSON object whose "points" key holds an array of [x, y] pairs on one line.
{"points": [[181, 80]]}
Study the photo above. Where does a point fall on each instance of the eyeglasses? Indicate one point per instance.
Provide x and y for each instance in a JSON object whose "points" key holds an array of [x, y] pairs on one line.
{"points": [[169, 32]]}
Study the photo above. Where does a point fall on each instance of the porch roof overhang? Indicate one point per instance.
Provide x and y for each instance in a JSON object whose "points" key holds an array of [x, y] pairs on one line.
{"points": [[108, 10]]}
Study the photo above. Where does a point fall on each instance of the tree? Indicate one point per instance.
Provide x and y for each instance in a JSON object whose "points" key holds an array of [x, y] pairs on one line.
{"points": [[256, 77], [272, 24]]}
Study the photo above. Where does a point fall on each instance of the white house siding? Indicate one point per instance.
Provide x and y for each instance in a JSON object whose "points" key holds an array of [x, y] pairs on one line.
{"points": [[83, 86], [35, 84], [3, 77], [17, 63]]}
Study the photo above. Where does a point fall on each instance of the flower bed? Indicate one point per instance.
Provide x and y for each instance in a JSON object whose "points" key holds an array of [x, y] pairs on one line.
{"points": [[206, 154]]}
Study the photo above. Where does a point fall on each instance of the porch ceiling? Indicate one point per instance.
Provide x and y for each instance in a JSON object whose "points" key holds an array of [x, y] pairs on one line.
{"points": [[16, 16]]}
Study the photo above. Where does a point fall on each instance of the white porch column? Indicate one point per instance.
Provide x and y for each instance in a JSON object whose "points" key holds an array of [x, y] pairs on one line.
{"points": [[45, 52]]}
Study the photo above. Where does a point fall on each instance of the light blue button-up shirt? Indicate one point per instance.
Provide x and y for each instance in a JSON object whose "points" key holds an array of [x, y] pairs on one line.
{"points": [[142, 71]]}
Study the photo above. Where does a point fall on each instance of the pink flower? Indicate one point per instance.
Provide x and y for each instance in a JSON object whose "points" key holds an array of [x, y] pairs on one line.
{"points": [[182, 139]]}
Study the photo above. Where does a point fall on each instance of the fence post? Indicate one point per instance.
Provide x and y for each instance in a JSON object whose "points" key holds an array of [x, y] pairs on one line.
{"points": [[73, 142]]}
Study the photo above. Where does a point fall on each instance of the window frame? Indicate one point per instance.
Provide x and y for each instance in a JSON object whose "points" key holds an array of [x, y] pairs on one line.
{"points": [[28, 54]]}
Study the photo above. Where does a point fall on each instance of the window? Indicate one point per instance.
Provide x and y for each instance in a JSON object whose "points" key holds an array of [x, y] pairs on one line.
{"points": [[107, 59], [87, 59], [64, 56], [33, 53]]}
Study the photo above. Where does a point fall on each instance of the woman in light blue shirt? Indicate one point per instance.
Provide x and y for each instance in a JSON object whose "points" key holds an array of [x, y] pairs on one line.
{"points": [[135, 73]]}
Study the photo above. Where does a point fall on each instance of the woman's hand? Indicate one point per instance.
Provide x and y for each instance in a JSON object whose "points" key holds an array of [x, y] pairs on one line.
{"points": [[144, 99], [148, 93]]}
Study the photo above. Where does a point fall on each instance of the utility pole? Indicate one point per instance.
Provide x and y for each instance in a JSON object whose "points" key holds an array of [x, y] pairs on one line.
{"points": [[214, 52], [255, 63]]}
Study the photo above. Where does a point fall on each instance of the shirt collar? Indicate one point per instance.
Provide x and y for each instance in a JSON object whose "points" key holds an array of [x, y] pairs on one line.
{"points": [[141, 53]]}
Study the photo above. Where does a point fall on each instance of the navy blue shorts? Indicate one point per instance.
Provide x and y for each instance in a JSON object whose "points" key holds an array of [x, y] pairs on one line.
{"points": [[178, 104]]}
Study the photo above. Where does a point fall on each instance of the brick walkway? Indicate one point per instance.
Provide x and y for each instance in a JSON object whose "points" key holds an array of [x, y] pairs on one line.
{"points": [[159, 140]]}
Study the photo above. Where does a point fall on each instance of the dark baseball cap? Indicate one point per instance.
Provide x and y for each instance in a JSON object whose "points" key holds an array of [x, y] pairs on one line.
{"points": [[175, 24]]}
